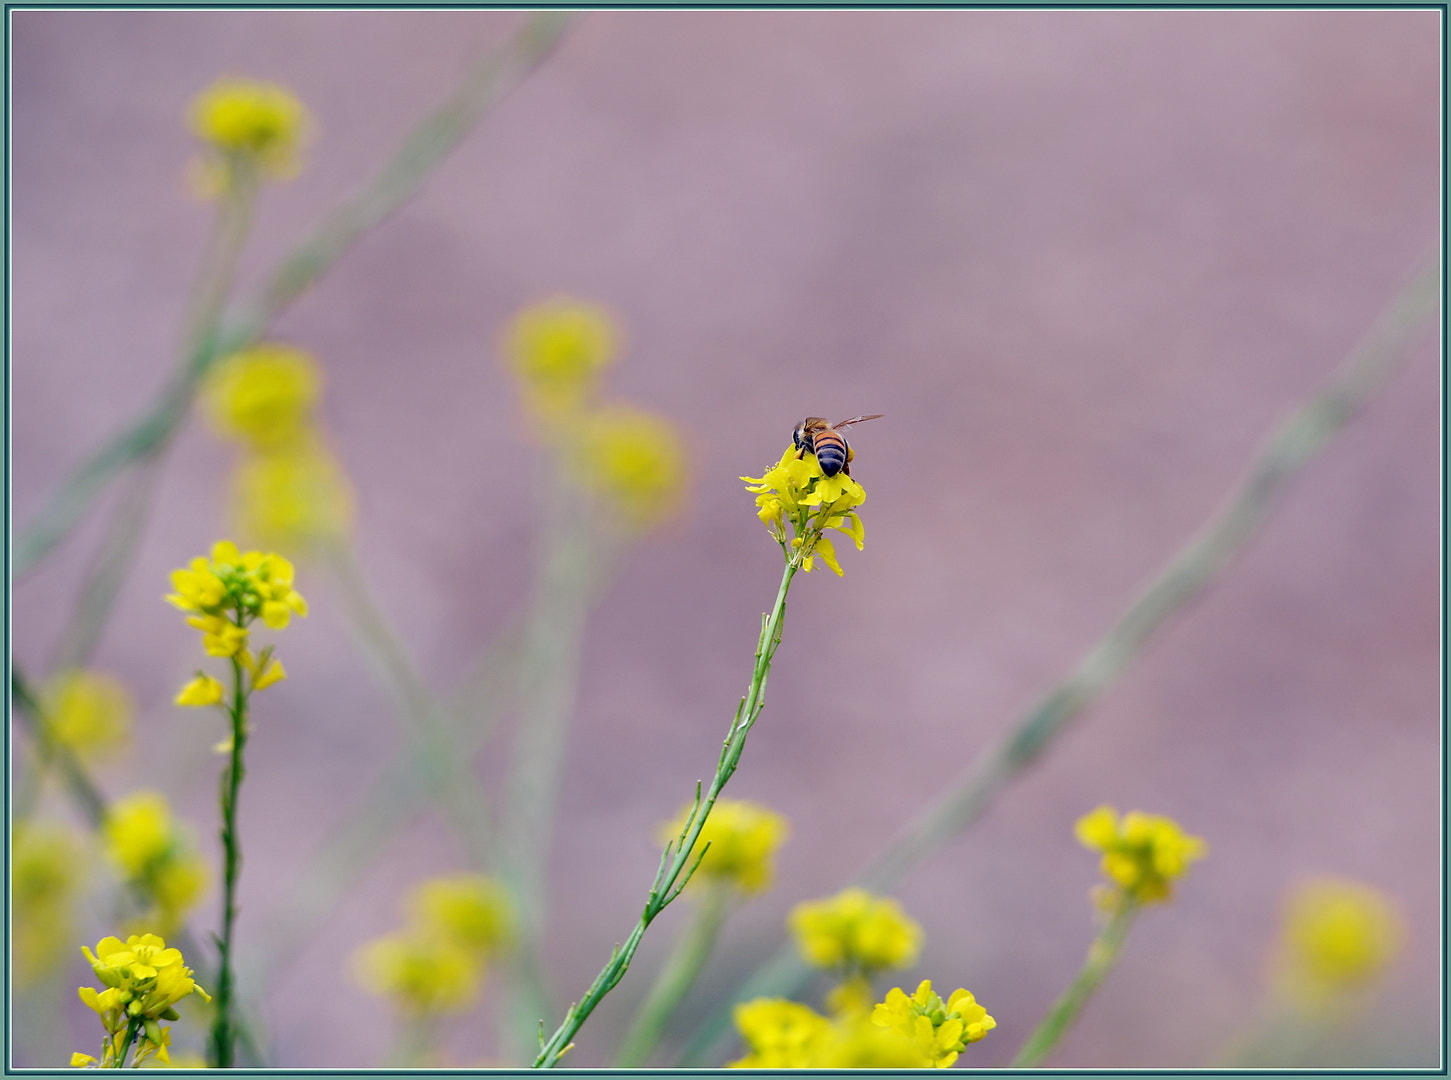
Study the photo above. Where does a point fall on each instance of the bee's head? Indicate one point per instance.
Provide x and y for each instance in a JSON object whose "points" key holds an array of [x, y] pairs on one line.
{"points": [[799, 436]]}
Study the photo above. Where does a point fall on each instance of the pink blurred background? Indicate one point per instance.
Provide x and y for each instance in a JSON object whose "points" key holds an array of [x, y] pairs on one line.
{"points": [[1082, 260]]}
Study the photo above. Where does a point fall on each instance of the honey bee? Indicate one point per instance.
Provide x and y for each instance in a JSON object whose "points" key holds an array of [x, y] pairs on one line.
{"points": [[815, 436]]}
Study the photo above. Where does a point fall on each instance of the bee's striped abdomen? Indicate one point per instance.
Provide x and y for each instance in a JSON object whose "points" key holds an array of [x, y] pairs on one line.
{"points": [[830, 450]]}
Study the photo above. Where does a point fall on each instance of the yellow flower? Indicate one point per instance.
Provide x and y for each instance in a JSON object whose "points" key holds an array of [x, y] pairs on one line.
{"points": [[144, 981], [250, 125], [264, 395], [780, 1034], [423, 975], [743, 838], [150, 850], [798, 503], [557, 349], [1143, 854], [47, 868], [294, 496], [88, 712], [203, 690], [855, 931], [1338, 938], [633, 460], [940, 1030], [471, 910]]}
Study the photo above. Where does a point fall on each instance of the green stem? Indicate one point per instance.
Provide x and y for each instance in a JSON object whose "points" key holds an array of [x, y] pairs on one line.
{"points": [[223, 1036], [1289, 448], [682, 968], [427, 145], [1103, 954], [673, 874]]}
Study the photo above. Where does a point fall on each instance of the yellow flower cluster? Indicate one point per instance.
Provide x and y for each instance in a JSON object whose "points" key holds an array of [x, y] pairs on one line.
{"points": [[855, 931], [436, 963], [225, 593], [144, 980], [940, 1030], [47, 869], [250, 129], [154, 853], [798, 503], [288, 489], [742, 838], [1339, 936], [89, 712], [628, 459], [1143, 854], [917, 1032]]}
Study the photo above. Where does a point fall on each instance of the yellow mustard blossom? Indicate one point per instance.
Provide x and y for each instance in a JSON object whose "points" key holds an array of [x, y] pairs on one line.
{"points": [[633, 460], [743, 838], [295, 496], [203, 690], [1143, 854], [471, 910], [855, 931], [941, 1030], [557, 350], [798, 503], [251, 128], [422, 974], [144, 980], [154, 853], [1339, 936], [89, 712], [223, 595], [264, 395], [47, 869]]}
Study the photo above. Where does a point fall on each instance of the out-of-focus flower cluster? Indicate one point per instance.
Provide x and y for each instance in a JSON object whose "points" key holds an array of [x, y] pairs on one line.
{"points": [[739, 840], [288, 490], [1143, 854], [629, 460], [156, 856], [435, 964], [88, 712], [1338, 939], [48, 867], [249, 129], [855, 932], [798, 503], [143, 982]]}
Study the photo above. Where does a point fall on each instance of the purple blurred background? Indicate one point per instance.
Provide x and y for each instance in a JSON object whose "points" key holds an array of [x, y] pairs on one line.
{"points": [[1082, 260]]}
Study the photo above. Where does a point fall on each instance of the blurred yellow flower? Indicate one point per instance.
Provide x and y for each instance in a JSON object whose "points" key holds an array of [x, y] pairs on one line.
{"points": [[471, 910], [1143, 854], [855, 931], [422, 975], [1339, 937], [250, 125], [780, 1034], [47, 869], [263, 396], [88, 712], [633, 460], [295, 496], [743, 837], [557, 350], [151, 851]]}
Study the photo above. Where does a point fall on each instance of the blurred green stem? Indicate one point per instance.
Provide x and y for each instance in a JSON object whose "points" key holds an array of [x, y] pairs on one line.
{"points": [[682, 967], [1103, 954], [1289, 448], [677, 862], [427, 145]]}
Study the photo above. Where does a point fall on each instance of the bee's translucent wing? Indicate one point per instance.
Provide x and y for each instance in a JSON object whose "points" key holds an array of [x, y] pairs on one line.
{"points": [[857, 419]]}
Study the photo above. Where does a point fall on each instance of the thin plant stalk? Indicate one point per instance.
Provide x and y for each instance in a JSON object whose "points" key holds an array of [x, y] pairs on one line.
{"points": [[1103, 954], [223, 1041], [426, 145], [676, 861], [1290, 447], [682, 967]]}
